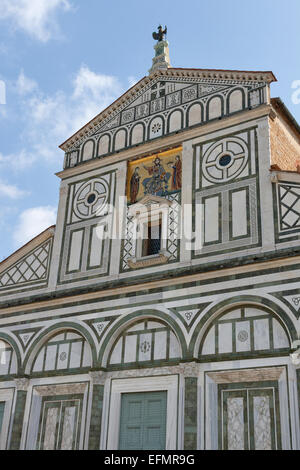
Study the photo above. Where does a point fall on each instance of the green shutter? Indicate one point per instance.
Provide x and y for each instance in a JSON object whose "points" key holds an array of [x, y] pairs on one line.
{"points": [[143, 421]]}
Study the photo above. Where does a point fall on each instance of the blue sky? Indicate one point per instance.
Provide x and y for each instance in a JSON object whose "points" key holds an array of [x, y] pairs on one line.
{"points": [[63, 61]]}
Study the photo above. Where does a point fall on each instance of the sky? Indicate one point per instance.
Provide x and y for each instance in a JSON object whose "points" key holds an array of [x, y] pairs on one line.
{"points": [[63, 61]]}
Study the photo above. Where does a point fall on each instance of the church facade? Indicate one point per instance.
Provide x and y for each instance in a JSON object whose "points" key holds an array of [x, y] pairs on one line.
{"points": [[162, 310]]}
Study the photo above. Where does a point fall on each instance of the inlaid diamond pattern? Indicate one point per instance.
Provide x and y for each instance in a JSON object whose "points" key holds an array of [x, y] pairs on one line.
{"points": [[289, 206], [129, 242], [30, 268], [173, 226]]}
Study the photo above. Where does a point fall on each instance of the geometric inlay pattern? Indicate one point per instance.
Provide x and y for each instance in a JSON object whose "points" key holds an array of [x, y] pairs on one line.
{"points": [[289, 197], [173, 225], [32, 267], [91, 198], [225, 160]]}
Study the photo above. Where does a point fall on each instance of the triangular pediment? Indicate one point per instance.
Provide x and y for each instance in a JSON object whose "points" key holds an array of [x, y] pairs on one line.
{"points": [[175, 80], [148, 109], [29, 264]]}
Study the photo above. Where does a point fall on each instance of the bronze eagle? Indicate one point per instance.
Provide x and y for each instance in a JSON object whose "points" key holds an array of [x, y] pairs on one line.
{"points": [[160, 35]]}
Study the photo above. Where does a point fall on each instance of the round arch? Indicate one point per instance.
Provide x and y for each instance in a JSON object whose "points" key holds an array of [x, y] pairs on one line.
{"points": [[221, 308], [53, 330], [133, 129], [101, 138], [188, 113], [12, 342], [208, 109], [125, 322], [158, 118], [228, 102]]}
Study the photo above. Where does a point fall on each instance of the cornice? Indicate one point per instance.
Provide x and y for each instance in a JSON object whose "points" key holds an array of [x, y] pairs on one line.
{"points": [[64, 301]]}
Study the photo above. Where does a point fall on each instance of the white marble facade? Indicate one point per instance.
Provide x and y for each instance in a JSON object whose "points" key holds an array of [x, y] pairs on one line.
{"points": [[86, 318]]}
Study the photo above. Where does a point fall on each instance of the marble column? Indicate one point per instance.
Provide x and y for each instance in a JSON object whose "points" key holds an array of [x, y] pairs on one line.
{"points": [[190, 406], [22, 385], [97, 379]]}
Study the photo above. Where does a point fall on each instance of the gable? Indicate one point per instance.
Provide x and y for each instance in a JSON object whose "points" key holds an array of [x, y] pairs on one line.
{"points": [[167, 103], [29, 266]]}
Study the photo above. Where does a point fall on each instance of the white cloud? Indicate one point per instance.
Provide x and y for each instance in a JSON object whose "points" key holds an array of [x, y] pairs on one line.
{"points": [[11, 191], [50, 119], [35, 17], [32, 222], [17, 161], [25, 85]]}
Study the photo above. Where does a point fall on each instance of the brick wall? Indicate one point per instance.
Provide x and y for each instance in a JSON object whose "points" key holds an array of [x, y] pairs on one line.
{"points": [[285, 145]]}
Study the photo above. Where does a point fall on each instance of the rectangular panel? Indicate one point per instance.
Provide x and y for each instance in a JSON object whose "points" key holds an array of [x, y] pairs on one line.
{"points": [[261, 334], [2, 408], [130, 348], [154, 436], [242, 333], [145, 347], [225, 337], [211, 219], [76, 350], [75, 250], [131, 422], [63, 355], [160, 345], [262, 419], [239, 213], [51, 352], [69, 428], [50, 425], [143, 421], [234, 422], [96, 244]]}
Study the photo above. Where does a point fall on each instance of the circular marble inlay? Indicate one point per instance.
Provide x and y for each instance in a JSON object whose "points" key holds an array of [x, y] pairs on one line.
{"points": [[156, 128], [225, 160], [91, 198], [243, 336], [145, 346], [63, 356]]}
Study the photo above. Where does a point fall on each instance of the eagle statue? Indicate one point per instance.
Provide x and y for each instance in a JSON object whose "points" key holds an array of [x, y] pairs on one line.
{"points": [[160, 35]]}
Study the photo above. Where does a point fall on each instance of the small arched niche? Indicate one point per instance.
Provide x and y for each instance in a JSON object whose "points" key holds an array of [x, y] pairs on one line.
{"points": [[103, 145], [88, 150], [175, 121], [120, 139], [215, 106], [245, 331], [235, 101], [137, 134], [195, 114], [8, 359], [65, 350], [144, 342]]}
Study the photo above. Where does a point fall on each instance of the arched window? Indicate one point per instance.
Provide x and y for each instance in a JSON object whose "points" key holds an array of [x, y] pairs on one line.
{"points": [[8, 359], [144, 342], [66, 350], [245, 331]]}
